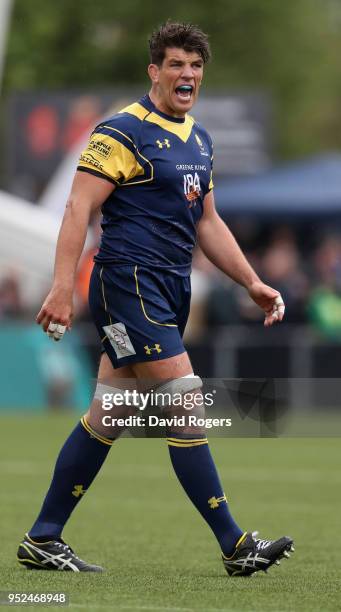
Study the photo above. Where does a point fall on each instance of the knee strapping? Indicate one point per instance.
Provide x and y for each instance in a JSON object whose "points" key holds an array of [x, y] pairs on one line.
{"points": [[165, 394], [113, 396]]}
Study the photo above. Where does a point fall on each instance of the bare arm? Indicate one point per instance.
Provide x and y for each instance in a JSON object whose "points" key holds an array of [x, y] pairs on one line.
{"points": [[87, 194], [221, 248]]}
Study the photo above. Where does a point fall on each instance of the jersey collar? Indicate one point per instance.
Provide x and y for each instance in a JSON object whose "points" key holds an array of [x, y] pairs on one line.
{"points": [[145, 110], [149, 105]]}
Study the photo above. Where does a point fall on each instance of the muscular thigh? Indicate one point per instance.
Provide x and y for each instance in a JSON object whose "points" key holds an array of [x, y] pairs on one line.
{"points": [[164, 369]]}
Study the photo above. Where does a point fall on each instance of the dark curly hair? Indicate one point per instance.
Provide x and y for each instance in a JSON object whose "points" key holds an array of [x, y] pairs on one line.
{"points": [[181, 35]]}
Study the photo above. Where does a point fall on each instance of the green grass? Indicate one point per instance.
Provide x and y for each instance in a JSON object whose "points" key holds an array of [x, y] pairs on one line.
{"points": [[158, 553]]}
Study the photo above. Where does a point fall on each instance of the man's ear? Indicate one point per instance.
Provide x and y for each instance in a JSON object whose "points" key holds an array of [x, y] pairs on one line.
{"points": [[153, 71]]}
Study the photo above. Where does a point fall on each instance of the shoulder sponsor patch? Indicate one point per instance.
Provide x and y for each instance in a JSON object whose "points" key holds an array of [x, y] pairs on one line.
{"points": [[112, 157], [100, 147], [87, 158], [119, 339]]}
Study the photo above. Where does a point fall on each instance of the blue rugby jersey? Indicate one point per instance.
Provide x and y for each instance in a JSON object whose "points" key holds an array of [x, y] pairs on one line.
{"points": [[162, 169]]}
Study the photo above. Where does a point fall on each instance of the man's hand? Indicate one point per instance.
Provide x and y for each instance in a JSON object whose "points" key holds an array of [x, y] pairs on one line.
{"points": [[269, 300], [55, 315]]}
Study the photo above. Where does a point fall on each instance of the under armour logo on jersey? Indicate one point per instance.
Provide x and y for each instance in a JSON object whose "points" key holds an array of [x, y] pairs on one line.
{"points": [[214, 502], [149, 350], [78, 491], [164, 143]]}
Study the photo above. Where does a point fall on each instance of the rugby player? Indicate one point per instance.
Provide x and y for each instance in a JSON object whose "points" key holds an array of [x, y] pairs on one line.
{"points": [[150, 169]]}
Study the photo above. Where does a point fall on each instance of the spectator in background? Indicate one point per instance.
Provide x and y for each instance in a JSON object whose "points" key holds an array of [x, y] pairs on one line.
{"points": [[324, 304], [83, 115], [281, 264], [214, 299], [203, 278], [10, 298]]}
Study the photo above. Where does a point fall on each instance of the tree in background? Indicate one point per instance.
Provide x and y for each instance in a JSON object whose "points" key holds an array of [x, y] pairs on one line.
{"points": [[290, 49]]}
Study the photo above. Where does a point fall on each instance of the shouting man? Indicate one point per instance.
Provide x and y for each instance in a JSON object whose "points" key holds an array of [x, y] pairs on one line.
{"points": [[149, 168]]}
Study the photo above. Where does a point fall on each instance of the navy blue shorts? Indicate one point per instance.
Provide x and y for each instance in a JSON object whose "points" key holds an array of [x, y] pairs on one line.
{"points": [[140, 313]]}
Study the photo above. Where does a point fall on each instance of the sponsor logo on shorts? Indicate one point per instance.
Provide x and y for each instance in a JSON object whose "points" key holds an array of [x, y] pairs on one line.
{"points": [[119, 339]]}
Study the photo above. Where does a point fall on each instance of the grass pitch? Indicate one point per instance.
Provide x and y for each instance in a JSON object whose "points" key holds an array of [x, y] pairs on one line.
{"points": [[159, 554]]}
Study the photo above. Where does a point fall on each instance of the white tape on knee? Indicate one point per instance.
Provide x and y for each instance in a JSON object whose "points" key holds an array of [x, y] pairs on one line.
{"points": [[180, 386], [114, 396]]}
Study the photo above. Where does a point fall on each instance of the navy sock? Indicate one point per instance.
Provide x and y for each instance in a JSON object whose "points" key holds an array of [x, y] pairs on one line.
{"points": [[196, 471], [78, 462]]}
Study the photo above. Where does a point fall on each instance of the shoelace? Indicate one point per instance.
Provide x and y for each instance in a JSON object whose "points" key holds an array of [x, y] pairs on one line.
{"points": [[262, 543]]}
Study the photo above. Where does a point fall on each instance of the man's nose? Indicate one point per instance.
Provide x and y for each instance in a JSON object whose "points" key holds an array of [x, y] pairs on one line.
{"points": [[187, 71]]}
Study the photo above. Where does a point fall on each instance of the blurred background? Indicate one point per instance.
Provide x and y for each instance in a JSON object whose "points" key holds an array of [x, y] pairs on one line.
{"points": [[271, 100]]}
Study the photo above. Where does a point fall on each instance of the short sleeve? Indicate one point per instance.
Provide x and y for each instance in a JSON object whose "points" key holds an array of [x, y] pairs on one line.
{"points": [[211, 184], [110, 154]]}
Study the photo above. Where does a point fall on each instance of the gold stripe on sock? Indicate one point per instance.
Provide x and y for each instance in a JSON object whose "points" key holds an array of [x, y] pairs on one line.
{"points": [[186, 440], [188, 444], [94, 434]]}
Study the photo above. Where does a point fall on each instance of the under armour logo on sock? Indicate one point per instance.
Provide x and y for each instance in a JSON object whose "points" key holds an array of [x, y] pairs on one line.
{"points": [[214, 502], [78, 490]]}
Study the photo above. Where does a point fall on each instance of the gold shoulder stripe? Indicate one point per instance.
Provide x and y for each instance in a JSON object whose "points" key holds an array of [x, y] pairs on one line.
{"points": [[110, 157], [151, 167], [137, 110]]}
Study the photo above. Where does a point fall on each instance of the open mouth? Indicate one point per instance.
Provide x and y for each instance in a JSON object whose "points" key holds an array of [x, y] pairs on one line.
{"points": [[184, 92]]}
